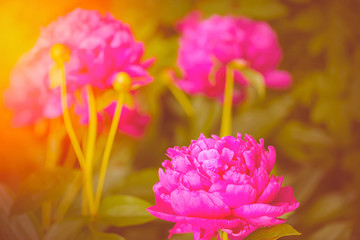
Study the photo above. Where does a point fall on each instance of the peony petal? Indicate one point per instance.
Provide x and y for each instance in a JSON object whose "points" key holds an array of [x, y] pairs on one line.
{"points": [[198, 204], [285, 195], [181, 164], [240, 232], [271, 190], [238, 195], [265, 221], [218, 186], [260, 209], [205, 223], [169, 179], [192, 180], [271, 156], [227, 155], [250, 160], [260, 179], [202, 234], [162, 197], [211, 154], [277, 79], [180, 227]]}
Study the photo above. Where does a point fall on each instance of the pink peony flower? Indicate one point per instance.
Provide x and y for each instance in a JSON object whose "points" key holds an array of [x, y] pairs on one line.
{"points": [[100, 47], [221, 184], [207, 46]]}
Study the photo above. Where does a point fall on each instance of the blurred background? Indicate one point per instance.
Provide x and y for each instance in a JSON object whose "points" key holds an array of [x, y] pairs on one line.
{"points": [[314, 126]]}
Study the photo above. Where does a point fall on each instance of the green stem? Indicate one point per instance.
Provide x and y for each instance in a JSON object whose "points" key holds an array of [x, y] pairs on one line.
{"points": [[181, 97], [224, 236], [46, 214], [67, 119], [50, 163], [90, 147], [226, 116], [108, 147]]}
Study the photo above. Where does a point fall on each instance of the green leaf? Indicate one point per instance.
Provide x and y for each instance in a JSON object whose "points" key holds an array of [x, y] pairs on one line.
{"points": [[207, 114], [334, 231], [309, 20], [256, 80], [262, 9], [253, 121], [20, 227], [105, 236], [89, 233], [139, 184], [210, 7], [301, 142], [273, 233], [306, 182], [40, 187], [123, 210], [64, 230], [327, 207]]}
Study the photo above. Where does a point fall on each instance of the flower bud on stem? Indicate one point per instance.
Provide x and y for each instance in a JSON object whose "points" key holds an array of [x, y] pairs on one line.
{"points": [[61, 54], [122, 84]]}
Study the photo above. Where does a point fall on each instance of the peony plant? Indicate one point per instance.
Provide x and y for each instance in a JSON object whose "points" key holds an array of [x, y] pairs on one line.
{"points": [[84, 66], [97, 48], [221, 184], [208, 46]]}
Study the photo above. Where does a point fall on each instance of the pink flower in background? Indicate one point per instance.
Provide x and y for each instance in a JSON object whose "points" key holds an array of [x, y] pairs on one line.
{"points": [[221, 184], [132, 122], [100, 47], [207, 46]]}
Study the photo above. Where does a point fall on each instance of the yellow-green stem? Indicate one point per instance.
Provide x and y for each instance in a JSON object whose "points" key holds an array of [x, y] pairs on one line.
{"points": [[50, 163], [51, 149], [108, 147], [90, 147], [226, 117], [180, 97], [46, 214], [84, 203], [67, 119], [224, 236]]}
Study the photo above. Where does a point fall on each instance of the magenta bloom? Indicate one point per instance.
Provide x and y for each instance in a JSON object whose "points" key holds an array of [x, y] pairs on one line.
{"points": [[221, 184], [207, 46], [100, 47]]}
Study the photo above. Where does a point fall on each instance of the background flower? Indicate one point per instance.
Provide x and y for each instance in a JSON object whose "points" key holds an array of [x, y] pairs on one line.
{"points": [[207, 46], [132, 122], [221, 183], [100, 47]]}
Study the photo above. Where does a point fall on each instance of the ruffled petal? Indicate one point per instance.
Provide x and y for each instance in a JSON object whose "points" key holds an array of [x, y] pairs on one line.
{"points": [[180, 227], [260, 209], [205, 223], [238, 195], [271, 190], [198, 204]]}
